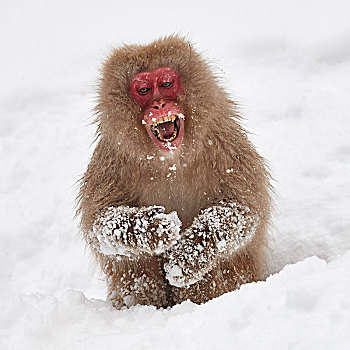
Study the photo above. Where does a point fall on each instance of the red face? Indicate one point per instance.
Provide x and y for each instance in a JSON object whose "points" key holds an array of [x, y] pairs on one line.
{"points": [[157, 92]]}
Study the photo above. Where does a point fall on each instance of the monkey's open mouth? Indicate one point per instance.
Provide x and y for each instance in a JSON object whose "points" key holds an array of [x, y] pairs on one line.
{"points": [[166, 129]]}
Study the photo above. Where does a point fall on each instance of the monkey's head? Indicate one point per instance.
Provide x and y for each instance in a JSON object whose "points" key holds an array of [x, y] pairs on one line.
{"points": [[161, 99], [157, 93]]}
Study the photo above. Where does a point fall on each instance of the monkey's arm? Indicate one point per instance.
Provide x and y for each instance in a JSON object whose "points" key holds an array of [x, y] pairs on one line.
{"points": [[219, 230], [131, 231]]}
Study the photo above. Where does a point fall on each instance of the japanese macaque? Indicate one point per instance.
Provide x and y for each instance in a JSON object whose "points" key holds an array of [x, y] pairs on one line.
{"points": [[175, 202]]}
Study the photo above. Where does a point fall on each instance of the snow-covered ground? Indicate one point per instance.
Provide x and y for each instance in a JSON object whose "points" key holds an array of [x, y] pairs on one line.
{"points": [[288, 65]]}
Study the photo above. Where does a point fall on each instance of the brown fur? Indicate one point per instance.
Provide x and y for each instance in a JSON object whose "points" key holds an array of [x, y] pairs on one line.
{"points": [[120, 173]]}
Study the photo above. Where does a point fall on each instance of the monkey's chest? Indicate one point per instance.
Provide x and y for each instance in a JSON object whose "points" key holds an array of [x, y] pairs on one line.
{"points": [[186, 200]]}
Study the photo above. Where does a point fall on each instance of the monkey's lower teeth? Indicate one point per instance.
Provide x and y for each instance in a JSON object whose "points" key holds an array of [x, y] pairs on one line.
{"points": [[164, 139]]}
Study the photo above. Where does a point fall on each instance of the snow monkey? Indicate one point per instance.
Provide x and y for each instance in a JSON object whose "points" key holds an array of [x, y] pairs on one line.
{"points": [[175, 201]]}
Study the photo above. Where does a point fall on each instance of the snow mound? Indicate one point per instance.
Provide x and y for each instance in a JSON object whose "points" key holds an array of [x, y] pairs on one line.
{"points": [[305, 306]]}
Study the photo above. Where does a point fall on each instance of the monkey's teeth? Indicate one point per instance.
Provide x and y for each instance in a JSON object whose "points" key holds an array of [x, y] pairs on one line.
{"points": [[155, 129], [165, 119], [172, 138]]}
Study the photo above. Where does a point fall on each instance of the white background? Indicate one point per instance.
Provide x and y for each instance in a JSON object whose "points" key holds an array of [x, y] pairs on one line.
{"points": [[287, 63]]}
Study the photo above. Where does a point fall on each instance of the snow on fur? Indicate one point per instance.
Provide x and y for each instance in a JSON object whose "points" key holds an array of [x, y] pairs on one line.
{"points": [[130, 231], [221, 229]]}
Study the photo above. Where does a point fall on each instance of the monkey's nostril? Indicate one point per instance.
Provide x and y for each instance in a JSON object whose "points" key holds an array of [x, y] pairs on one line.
{"points": [[158, 104]]}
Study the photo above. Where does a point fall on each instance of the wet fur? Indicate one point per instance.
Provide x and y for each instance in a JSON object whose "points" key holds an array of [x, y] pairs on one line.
{"points": [[123, 172]]}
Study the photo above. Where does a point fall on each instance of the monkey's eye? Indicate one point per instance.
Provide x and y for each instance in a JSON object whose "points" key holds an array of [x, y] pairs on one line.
{"points": [[144, 91], [167, 84]]}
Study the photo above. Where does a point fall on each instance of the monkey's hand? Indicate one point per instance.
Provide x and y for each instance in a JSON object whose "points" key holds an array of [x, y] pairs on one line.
{"points": [[216, 231], [131, 231]]}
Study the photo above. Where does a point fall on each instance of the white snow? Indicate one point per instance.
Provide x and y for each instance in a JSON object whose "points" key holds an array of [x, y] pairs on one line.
{"points": [[286, 63]]}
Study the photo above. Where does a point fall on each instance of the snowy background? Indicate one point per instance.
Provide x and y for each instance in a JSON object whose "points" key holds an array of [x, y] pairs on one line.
{"points": [[288, 65]]}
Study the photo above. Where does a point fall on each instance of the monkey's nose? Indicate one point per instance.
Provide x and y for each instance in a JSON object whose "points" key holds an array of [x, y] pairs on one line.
{"points": [[158, 104]]}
